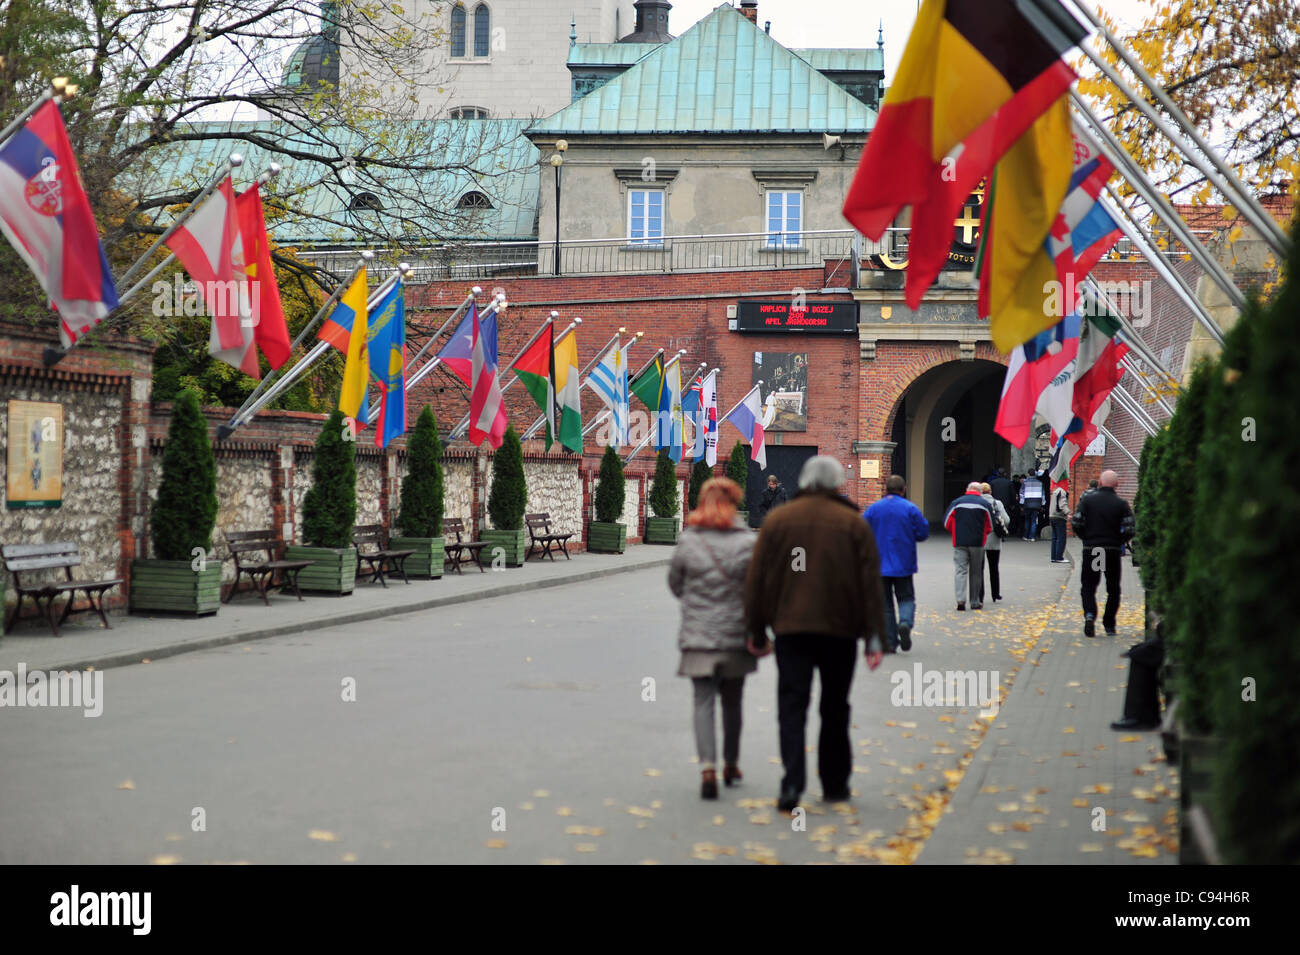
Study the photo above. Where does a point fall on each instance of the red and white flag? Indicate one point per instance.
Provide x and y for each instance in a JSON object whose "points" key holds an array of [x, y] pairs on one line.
{"points": [[487, 412], [211, 249], [270, 330]]}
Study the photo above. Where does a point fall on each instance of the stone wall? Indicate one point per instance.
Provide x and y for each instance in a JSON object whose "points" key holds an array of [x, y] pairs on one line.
{"points": [[555, 488], [458, 489], [370, 479]]}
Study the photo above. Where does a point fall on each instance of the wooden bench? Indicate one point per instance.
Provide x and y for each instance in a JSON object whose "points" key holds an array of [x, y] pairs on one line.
{"points": [[262, 573], [25, 558], [376, 534], [460, 548], [539, 535]]}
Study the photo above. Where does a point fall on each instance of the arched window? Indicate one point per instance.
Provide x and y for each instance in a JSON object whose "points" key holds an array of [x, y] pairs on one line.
{"points": [[468, 112], [474, 200], [458, 30], [365, 201], [482, 30]]}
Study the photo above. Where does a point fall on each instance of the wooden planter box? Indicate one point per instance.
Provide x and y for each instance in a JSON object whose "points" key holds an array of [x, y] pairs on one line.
{"points": [[1196, 756], [661, 530], [333, 571], [173, 585], [606, 538], [514, 543], [428, 558]]}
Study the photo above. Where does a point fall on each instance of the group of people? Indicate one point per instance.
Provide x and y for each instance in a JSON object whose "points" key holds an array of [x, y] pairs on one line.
{"points": [[817, 578]]}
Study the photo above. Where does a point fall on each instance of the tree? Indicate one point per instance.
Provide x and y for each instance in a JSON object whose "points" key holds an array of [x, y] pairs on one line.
{"points": [[663, 490], [738, 466], [700, 473], [1233, 67], [611, 492], [509, 495], [1146, 509], [185, 512], [422, 488], [329, 509]]}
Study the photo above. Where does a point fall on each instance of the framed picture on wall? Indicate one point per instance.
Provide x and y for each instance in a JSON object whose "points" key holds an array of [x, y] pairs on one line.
{"points": [[785, 383], [34, 457]]}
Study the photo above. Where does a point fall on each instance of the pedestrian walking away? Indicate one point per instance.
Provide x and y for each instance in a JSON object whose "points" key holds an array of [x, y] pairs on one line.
{"points": [[993, 548], [773, 496], [814, 582], [1031, 501], [1104, 522], [1058, 510], [898, 525], [970, 521], [707, 574]]}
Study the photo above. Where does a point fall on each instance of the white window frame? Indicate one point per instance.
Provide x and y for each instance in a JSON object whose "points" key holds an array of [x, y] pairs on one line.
{"points": [[647, 241], [782, 239]]}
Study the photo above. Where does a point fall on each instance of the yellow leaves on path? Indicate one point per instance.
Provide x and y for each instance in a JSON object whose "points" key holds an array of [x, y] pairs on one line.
{"points": [[322, 835]]}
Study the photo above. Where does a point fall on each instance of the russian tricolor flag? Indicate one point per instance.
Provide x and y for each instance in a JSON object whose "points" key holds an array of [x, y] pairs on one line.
{"points": [[45, 215], [458, 353], [747, 418]]}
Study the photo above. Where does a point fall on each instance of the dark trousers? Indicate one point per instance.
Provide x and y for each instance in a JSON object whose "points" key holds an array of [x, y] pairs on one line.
{"points": [[902, 590], [1058, 538], [1142, 698], [1091, 577], [834, 659], [991, 557]]}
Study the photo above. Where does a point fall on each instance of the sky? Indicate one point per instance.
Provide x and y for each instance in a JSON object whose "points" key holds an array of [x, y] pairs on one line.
{"points": [[853, 23]]}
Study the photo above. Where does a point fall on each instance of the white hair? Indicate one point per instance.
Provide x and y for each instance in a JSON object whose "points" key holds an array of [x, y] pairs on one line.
{"points": [[975, 486], [821, 473]]}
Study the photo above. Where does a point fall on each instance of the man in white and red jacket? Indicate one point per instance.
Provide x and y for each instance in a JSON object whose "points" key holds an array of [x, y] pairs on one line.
{"points": [[970, 521]]}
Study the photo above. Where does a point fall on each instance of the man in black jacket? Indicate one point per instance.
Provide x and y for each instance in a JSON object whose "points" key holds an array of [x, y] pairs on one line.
{"points": [[773, 495], [1107, 526]]}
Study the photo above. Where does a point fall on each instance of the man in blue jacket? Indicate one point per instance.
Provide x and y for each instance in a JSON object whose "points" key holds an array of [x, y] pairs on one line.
{"points": [[898, 525]]}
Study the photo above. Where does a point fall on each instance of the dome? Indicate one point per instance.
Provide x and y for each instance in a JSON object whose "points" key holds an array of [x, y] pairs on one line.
{"points": [[315, 61]]}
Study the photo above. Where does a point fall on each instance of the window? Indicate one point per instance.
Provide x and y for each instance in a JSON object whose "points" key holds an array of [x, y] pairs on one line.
{"points": [[458, 30], [784, 219], [469, 112], [645, 216], [365, 201], [482, 29], [474, 200]]}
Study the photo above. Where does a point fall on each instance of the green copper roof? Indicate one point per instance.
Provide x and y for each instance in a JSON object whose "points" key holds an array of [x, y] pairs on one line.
{"points": [[843, 60], [723, 75], [609, 54]]}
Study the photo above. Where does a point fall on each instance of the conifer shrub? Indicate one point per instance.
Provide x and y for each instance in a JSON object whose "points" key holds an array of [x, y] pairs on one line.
{"points": [[509, 495], [329, 509], [420, 509], [663, 492], [700, 473], [185, 512], [738, 466], [611, 492]]}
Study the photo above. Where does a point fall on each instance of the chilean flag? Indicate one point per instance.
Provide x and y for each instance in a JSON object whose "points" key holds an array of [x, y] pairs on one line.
{"points": [[45, 215], [458, 353], [747, 418], [487, 412], [1030, 369]]}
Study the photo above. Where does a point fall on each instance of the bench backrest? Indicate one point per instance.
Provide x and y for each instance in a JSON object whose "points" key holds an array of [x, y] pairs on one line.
{"points": [[241, 542], [538, 522], [369, 534], [21, 558], [453, 525]]}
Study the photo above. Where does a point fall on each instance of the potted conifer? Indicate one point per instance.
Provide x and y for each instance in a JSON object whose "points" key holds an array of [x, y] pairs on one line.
{"points": [[700, 473], [506, 503], [738, 471], [607, 535], [329, 511], [662, 528], [420, 516], [181, 576]]}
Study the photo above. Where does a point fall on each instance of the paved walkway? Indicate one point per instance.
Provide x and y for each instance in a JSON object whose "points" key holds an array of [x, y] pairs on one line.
{"points": [[135, 639], [1050, 773]]}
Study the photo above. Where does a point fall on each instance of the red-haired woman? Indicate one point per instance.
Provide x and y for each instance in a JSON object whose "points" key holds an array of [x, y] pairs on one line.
{"points": [[708, 575]]}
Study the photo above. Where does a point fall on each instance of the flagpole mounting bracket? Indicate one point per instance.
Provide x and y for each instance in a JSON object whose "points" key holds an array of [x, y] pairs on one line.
{"points": [[52, 356]]}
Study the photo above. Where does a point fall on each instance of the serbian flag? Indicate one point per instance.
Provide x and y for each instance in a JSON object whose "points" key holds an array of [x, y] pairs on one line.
{"points": [[386, 348], [1043, 223], [1032, 367], [270, 330], [974, 76], [487, 412], [210, 247], [45, 215], [747, 418]]}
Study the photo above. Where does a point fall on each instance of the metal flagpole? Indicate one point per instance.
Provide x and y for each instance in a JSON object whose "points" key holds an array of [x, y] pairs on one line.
{"points": [[676, 359], [462, 426], [1135, 410], [412, 380], [631, 378], [1140, 181], [319, 350], [1127, 222], [1216, 171], [699, 412], [541, 419], [270, 173], [722, 418], [435, 362], [1130, 332], [1150, 389], [1115, 441]]}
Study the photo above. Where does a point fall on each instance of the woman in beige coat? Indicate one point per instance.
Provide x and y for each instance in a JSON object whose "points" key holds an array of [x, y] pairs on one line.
{"points": [[707, 574]]}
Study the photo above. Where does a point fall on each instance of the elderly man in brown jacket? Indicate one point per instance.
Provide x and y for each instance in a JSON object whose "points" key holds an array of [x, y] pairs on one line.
{"points": [[814, 580]]}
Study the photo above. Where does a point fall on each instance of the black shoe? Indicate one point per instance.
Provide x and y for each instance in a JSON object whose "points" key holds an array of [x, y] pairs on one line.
{"points": [[1089, 627], [961, 606], [1129, 723], [905, 636], [1110, 631], [837, 795], [709, 784], [976, 606], [788, 800]]}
